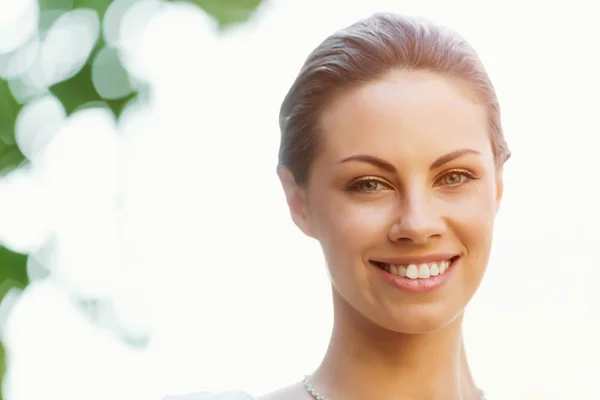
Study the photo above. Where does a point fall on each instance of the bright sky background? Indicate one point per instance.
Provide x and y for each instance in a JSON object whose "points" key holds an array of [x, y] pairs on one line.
{"points": [[173, 218]]}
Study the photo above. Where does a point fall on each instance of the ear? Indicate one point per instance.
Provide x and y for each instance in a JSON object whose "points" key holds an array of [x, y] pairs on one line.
{"points": [[296, 200], [499, 187], [500, 180]]}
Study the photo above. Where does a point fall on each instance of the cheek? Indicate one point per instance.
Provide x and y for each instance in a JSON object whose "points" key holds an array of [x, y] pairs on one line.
{"points": [[350, 225], [473, 222]]}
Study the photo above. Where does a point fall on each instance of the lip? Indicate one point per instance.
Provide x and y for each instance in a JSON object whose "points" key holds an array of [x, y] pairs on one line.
{"points": [[416, 259], [418, 285]]}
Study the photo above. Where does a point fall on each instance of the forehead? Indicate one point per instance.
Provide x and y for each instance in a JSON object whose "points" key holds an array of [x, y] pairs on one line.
{"points": [[405, 113]]}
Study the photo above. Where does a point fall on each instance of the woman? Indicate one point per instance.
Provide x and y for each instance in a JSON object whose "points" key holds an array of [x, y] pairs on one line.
{"points": [[391, 157]]}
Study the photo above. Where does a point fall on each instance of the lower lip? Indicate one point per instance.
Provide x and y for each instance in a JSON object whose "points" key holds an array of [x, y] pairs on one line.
{"points": [[418, 285]]}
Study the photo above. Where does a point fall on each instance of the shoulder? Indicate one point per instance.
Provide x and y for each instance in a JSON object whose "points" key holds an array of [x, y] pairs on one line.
{"points": [[211, 396]]}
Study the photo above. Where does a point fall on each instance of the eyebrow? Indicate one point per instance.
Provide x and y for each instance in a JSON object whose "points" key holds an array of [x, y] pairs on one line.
{"points": [[382, 164]]}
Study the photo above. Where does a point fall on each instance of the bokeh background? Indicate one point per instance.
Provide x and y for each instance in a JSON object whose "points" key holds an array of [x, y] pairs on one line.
{"points": [[145, 244]]}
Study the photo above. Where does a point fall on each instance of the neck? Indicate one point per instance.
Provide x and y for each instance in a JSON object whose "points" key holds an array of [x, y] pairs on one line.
{"points": [[366, 361]]}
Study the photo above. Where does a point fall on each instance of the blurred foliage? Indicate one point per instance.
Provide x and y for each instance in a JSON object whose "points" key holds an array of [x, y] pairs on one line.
{"points": [[228, 12], [13, 274], [74, 93], [13, 270], [79, 91], [10, 155]]}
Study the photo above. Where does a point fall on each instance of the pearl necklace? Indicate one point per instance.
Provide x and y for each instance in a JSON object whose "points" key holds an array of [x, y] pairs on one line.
{"points": [[312, 391]]}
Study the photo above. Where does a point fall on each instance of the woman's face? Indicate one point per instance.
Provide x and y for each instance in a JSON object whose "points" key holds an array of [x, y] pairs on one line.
{"points": [[402, 197]]}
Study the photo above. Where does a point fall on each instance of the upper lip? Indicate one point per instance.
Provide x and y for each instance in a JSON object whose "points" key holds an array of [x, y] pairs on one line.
{"points": [[426, 258]]}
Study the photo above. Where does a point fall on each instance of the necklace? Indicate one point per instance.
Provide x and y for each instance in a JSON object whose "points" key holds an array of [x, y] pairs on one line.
{"points": [[317, 396]]}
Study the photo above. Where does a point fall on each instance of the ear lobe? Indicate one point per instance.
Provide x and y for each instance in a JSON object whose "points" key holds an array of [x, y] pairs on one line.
{"points": [[296, 200]]}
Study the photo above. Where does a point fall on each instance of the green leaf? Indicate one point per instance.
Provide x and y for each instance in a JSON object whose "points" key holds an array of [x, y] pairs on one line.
{"points": [[79, 91], [64, 5], [8, 114], [13, 269], [67, 5], [228, 12], [10, 155], [2, 368], [99, 5], [13, 274], [10, 159]]}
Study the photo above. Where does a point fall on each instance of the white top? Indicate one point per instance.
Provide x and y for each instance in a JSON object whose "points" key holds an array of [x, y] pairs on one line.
{"points": [[234, 395]]}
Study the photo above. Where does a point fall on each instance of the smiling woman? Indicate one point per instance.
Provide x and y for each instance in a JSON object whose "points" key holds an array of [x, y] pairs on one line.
{"points": [[391, 157]]}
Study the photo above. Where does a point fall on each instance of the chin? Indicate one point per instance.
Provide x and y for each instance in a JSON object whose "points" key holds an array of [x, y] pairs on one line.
{"points": [[419, 319]]}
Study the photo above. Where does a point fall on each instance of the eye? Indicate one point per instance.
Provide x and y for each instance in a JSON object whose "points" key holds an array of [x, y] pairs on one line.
{"points": [[368, 185], [455, 178]]}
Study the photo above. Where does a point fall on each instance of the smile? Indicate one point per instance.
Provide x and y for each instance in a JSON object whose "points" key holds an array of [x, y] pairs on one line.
{"points": [[417, 274], [417, 271]]}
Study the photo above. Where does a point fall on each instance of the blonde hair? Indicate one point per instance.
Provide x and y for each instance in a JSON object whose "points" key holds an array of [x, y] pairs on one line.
{"points": [[364, 52]]}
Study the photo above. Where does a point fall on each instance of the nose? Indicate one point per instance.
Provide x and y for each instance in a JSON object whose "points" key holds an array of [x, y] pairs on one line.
{"points": [[418, 221]]}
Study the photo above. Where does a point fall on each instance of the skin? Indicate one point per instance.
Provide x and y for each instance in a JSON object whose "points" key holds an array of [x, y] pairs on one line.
{"points": [[387, 343]]}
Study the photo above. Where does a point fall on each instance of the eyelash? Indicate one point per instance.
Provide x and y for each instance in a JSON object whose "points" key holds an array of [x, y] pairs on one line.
{"points": [[354, 185], [470, 176]]}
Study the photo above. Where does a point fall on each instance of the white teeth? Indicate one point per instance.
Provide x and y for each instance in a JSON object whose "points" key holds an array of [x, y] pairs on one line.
{"points": [[424, 271], [421, 271], [412, 272], [443, 267]]}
